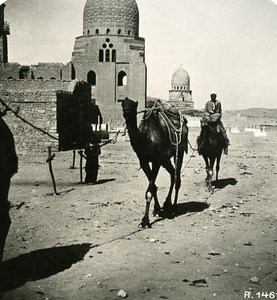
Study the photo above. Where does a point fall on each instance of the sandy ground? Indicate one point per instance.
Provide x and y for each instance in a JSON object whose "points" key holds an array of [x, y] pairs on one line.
{"points": [[85, 242]]}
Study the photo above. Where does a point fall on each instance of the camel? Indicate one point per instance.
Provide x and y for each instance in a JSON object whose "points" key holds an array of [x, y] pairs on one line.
{"points": [[162, 134], [210, 146], [8, 167]]}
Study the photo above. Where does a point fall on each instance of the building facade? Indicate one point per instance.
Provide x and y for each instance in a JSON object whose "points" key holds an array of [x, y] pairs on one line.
{"points": [[180, 93]]}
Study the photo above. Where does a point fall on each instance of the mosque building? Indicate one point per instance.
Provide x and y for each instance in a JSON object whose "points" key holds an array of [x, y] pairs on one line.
{"points": [[109, 55], [180, 93]]}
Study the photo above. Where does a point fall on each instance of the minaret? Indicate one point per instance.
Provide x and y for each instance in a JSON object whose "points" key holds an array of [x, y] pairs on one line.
{"points": [[4, 31]]}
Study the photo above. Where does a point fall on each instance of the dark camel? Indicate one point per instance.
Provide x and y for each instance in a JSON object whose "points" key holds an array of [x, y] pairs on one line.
{"points": [[8, 167], [210, 146], [162, 134]]}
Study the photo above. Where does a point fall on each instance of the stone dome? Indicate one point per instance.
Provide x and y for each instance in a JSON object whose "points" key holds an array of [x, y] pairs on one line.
{"points": [[180, 78], [111, 17]]}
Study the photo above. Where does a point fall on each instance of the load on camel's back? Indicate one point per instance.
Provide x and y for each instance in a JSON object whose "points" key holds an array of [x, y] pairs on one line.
{"points": [[8, 167]]}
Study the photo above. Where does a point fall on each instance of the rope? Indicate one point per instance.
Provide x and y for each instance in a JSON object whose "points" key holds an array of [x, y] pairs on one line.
{"points": [[25, 121], [194, 149], [185, 166]]}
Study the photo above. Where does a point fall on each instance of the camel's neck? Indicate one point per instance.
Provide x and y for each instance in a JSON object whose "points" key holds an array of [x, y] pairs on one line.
{"points": [[132, 127], [134, 133]]}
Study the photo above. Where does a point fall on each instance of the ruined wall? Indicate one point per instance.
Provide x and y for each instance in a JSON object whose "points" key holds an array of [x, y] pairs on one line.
{"points": [[46, 71], [37, 102]]}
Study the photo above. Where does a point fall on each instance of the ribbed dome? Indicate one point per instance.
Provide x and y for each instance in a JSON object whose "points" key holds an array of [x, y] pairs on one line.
{"points": [[111, 15], [180, 77]]}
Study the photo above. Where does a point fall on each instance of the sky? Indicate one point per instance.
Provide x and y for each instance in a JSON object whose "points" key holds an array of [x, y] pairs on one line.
{"points": [[227, 46]]}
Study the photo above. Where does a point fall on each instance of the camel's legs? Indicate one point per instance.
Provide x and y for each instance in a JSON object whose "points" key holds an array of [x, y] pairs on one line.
{"points": [[209, 169], [150, 192], [170, 169], [178, 177], [211, 173], [155, 171], [218, 164]]}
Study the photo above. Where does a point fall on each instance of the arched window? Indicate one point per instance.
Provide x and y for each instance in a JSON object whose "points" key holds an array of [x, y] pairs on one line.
{"points": [[113, 55], [91, 78], [129, 32], [122, 78], [40, 78], [53, 78], [97, 31], [101, 55], [119, 31], [88, 32], [108, 31], [107, 55], [10, 78]]}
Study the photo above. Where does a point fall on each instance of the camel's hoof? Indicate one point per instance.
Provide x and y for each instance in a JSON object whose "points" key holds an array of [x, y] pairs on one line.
{"points": [[144, 223]]}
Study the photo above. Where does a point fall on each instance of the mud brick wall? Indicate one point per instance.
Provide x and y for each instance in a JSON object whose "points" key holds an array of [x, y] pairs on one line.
{"points": [[37, 102]]}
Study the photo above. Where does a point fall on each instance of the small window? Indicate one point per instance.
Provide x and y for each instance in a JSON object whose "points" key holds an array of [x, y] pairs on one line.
{"points": [[108, 31], [129, 32], [113, 55], [119, 31], [97, 31], [110, 45], [101, 55], [107, 40], [104, 46], [40, 78], [107, 55], [53, 78], [88, 32]]}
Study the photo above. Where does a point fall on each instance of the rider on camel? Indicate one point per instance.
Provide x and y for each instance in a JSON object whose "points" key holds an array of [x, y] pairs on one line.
{"points": [[213, 114]]}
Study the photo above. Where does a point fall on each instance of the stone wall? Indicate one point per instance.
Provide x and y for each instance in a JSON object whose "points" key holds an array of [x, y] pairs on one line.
{"points": [[46, 71], [37, 102]]}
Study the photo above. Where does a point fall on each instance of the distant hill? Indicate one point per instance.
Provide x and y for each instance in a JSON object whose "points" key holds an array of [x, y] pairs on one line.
{"points": [[255, 112]]}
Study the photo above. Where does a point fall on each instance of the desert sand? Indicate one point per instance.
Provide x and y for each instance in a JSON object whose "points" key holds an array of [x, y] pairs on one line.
{"points": [[85, 242]]}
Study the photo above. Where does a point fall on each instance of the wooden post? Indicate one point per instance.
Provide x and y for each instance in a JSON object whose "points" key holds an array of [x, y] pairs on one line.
{"points": [[74, 157], [81, 166], [49, 161]]}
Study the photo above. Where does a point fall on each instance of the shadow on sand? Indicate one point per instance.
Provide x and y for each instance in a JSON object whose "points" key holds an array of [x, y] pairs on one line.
{"points": [[39, 264], [101, 181], [190, 207], [222, 183], [182, 209]]}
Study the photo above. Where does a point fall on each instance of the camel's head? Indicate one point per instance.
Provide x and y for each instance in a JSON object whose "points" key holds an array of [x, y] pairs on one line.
{"points": [[129, 108]]}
